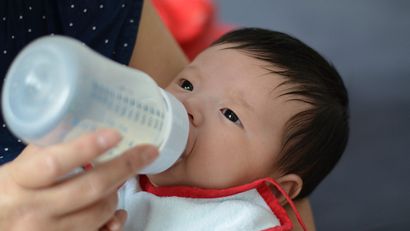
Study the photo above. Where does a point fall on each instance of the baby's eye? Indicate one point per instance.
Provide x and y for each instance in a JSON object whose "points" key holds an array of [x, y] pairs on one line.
{"points": [[230, 115], [186, 85]]}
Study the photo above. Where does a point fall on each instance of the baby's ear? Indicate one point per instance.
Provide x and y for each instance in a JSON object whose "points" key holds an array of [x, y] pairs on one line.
{"points": [[292, 184]]}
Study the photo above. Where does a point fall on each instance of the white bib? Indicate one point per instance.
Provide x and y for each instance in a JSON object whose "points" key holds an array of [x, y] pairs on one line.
{"points": [[187, 208]]}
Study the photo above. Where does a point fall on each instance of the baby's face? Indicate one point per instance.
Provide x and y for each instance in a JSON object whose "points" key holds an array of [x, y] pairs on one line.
{"points": [[237, 120]]}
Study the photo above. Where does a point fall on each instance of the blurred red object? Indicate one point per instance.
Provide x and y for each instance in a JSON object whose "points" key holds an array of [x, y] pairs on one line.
{"points": [[193, 23]]}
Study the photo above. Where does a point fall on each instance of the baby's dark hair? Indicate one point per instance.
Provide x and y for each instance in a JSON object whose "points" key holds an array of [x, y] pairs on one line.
{"points": [[315, 138]]}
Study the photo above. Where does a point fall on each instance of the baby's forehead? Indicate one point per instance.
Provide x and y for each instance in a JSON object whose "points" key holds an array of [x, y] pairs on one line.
{"points": [[275, 96], [270, 97], [243, 68]]}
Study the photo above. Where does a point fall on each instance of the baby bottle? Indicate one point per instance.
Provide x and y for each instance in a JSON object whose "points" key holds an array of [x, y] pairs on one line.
{"points": [[57, 88]]}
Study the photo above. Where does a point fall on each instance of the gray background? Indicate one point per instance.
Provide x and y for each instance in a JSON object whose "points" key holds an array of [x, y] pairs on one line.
{"points": [[369, 42]]}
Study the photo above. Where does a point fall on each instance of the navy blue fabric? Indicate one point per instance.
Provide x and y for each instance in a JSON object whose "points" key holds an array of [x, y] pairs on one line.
{"points": [[108, 26]]}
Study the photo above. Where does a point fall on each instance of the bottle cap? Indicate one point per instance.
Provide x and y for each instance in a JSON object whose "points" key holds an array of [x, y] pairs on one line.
{"points": [[176, 136], [37, 88]]}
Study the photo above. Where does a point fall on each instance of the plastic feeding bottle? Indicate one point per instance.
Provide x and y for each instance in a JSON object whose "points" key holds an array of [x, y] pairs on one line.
{"points": [[57, 88]]}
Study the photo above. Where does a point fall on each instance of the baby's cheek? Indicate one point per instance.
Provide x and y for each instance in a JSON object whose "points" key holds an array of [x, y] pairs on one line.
{"points": [[220, 173], [202, 172]]}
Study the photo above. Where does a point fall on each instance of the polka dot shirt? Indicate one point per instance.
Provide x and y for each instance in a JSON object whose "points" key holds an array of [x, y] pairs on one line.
{"points": [[108, 26]]}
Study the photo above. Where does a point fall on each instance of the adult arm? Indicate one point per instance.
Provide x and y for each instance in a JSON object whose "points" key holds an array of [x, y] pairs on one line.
{"points": [[156, 52]]}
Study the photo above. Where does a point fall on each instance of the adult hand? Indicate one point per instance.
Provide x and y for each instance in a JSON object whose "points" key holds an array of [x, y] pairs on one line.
{"points": [[33, 195], [117, 222]]}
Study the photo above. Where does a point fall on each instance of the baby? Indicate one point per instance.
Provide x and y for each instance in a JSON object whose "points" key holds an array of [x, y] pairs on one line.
{"points": [[262, 106]]}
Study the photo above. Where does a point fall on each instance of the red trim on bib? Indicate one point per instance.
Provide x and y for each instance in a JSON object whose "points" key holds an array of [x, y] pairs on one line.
{"points": [[194, 192], [277, 209]]}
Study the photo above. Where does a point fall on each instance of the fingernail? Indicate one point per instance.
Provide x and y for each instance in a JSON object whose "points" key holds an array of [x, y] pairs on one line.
{"points": [[148, 155], [108, 138]]}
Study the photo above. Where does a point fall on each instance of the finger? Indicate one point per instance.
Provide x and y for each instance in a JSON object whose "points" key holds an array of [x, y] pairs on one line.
{"points": [[106, 226], [92, 217], [29, 150], [104, 179], [43, 167], [25, 155], [117, 222]]}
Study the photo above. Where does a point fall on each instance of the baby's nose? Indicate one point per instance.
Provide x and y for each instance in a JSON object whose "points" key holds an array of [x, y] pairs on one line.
{"points": [[191, 117], [196, 107], [195, 118], [194, 114]]}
